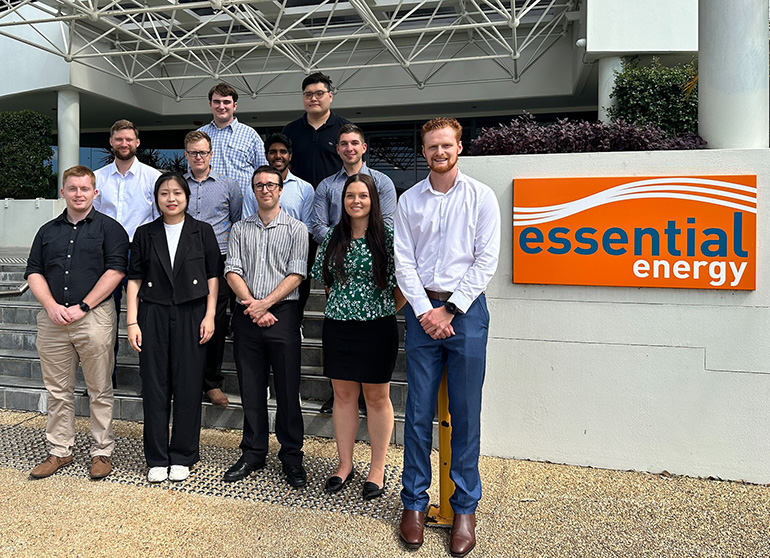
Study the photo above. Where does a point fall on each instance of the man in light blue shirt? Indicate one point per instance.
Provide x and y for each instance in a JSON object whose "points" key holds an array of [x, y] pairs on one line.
{"points": [[327, 205], [237, 148], [297, 196]]}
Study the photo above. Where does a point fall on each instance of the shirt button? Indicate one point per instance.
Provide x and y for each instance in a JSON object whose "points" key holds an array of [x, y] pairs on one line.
{"points": [[149, 284], [74, 228], [66, 273], [66, 288], [69, 255], [71, 241], [195, 281]]}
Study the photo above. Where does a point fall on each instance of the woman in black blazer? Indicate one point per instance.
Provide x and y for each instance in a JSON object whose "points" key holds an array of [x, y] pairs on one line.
{"points": [[171, 303]]}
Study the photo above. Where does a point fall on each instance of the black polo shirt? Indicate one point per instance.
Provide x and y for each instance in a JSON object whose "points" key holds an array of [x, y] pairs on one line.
{"points": [[73, 256], [314, 152]]}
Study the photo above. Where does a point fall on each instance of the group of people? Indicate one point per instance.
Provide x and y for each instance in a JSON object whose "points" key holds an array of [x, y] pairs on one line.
{"points": [[245, 223]]}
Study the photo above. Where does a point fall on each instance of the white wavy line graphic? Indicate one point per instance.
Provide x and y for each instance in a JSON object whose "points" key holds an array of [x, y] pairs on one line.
{"points": [[695, 189]]}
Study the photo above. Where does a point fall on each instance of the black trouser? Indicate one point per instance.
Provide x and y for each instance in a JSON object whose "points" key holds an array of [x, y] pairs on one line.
{"points": [[172, 362], [215, 348], [257, 350]]}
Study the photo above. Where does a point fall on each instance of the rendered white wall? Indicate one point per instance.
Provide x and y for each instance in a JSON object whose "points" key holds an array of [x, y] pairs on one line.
{"points": [[20, 219], [618, 27], [628, 378]]}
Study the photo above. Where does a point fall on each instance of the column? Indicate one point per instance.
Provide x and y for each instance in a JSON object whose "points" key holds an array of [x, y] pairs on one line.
{"points": [[607, 68], [69, 129], [733, 73]]}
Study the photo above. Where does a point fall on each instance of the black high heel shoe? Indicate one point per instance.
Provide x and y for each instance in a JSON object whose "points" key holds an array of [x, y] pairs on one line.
{"points": [[372, 491], [335, 483]]}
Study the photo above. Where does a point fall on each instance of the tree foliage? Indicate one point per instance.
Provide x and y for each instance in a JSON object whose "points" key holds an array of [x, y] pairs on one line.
{"points": [[656, 95], [25, 155], [525, 135]]}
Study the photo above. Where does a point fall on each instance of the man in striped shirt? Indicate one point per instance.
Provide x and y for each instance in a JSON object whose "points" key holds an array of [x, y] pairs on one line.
{"points": [[217, 200], [238, 149], [266, 262]]}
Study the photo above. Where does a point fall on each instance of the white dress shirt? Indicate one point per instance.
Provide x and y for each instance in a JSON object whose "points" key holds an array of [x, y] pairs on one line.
{"points": [[446, 242], [129, 198]]}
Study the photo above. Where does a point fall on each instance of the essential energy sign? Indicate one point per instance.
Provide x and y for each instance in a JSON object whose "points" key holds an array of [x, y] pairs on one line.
{"points": [[696, 232]]}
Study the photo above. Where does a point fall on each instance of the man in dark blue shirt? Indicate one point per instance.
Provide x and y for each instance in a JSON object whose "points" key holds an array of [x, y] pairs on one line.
{"points": [[74, 265]]}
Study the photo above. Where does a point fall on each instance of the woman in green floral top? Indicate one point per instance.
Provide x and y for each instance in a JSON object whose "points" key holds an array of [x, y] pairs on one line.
{"points": [[360, 335]]}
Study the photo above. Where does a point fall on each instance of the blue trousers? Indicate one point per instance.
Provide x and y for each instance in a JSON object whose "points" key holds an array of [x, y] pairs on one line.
{"points": [[464, 355]]}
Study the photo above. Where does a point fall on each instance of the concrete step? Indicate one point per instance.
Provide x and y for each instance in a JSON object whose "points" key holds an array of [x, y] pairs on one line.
{"points": [[24, 312], [313, 386], [28, 395]]}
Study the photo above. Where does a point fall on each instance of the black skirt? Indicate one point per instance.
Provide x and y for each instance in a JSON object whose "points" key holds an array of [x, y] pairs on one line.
{"points": [[360, 351]]}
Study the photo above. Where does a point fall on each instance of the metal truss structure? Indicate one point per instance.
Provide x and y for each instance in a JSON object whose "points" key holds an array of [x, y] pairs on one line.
{"points": [[173, 46]]}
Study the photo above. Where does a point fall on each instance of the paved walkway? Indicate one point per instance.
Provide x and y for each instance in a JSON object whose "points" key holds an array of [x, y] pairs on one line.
{"points": [[528, 509]]}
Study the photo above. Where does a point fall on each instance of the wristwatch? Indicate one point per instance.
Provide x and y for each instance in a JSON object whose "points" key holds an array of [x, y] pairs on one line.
{"points": [[84, 306], [452, 308]]}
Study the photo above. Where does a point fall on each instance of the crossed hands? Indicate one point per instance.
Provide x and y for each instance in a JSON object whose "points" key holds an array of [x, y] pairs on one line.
{"points": [[258, 311], [437, 323], [62, 315]]}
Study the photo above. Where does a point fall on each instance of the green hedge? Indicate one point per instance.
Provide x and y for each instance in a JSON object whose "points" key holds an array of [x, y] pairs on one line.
{"points": [[25, 155], [655, 94]]}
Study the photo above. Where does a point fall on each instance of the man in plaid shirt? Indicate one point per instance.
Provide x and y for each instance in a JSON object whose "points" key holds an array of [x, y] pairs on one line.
{"points": [[237, 148]]}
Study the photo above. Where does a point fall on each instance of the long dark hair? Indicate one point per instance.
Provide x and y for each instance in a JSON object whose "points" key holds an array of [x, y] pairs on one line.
{"points": [[339, 242]]}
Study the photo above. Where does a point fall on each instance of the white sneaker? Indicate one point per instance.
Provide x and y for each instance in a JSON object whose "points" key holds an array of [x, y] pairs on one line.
{"points": [[178, 473], [157, 474]]}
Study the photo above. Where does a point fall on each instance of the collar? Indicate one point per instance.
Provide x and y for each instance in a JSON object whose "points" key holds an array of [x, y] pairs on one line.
{"points": [[281, 219], [459, 179], [63, 217], [213, 175], [229, 126], [132, 170], [329, 121], [342, 174]]}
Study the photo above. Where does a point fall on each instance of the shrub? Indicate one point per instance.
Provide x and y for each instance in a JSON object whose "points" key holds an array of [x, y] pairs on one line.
{"points": [[525, 135], [25, 155], [655, 95]]}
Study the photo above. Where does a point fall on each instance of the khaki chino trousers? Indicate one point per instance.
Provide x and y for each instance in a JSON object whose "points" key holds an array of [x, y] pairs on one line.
{"points": [[88, 341]]}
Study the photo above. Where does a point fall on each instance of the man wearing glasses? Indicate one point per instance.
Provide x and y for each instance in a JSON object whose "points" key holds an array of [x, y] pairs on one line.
{"points": [[266, 261], [238, 149], [217, 200], [314, 135]]}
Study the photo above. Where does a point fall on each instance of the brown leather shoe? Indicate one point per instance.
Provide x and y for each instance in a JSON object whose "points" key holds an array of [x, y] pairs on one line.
{"points": [[49, 466], [218, 397], [101, 466], [463, 536], [412, 528]]}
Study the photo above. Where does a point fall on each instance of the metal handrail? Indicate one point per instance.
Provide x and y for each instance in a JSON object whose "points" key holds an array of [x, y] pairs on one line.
{"points": [[18, 291]]}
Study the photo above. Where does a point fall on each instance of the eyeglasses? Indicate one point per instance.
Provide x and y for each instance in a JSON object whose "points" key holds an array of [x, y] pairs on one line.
{"points": [[196, 154], [269, 186], [317, 94]]}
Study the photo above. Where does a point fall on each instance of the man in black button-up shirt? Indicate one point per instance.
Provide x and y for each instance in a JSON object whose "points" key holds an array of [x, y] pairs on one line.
{"points": [[75, 263]]}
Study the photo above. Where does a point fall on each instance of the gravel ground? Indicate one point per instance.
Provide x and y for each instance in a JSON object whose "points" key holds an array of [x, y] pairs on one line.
{"points": [[528, 509]]}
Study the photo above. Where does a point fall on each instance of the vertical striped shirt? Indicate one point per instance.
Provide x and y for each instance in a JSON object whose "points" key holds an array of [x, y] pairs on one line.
{"points": [[237, 150], [264, 255]]}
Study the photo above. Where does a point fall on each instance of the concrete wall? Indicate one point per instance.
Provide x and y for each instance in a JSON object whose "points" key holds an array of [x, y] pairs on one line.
{"points": [[20, 219], [620, 27], [628, 378]]}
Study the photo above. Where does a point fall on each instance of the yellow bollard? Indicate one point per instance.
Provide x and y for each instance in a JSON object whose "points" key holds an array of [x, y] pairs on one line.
{"points": [[442, 515]]}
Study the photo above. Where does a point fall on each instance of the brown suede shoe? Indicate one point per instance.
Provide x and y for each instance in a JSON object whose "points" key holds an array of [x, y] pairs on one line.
{"points": [[49, 466], [218, 397], [463, 537], [101, 466], [412, 528]]}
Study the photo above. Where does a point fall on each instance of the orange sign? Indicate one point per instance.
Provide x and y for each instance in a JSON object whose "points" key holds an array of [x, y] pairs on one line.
{"points": [[695, 232]]}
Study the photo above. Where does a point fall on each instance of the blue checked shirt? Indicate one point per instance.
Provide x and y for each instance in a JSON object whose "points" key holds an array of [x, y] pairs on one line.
{"points": [[297, 198], [327, 205], [237, 152], [217, 200]]}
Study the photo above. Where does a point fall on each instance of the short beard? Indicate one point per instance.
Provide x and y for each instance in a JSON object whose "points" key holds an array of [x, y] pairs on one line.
{"points": [[443, 170], [131, 155]]}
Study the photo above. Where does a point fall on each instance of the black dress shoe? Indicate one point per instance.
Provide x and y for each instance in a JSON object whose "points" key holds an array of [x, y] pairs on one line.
{"points": [[335, 483], [241, 469], [328, 406], [372, 491], [296, 476]]}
